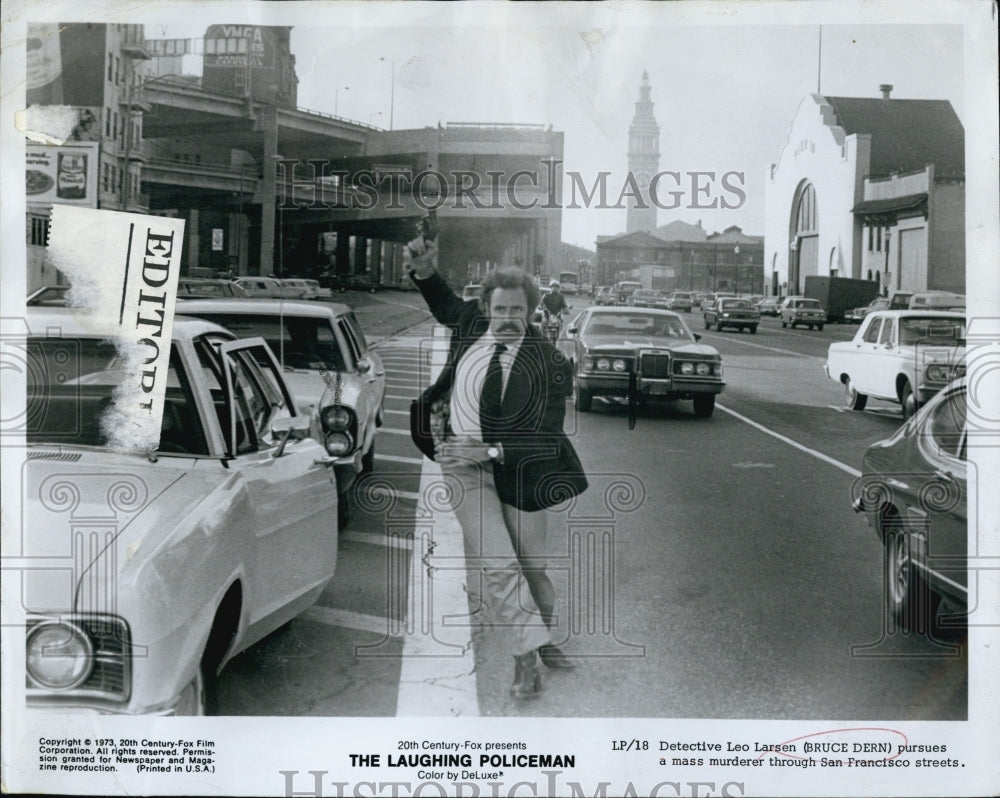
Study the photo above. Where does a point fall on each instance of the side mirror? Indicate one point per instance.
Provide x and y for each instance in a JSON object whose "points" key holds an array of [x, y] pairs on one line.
{"points": [[697, 336], [572, 329], [289, 427], [364, 365]]}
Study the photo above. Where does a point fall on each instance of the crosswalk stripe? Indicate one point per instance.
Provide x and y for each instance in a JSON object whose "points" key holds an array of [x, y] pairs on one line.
{"points": [[330, 616]]}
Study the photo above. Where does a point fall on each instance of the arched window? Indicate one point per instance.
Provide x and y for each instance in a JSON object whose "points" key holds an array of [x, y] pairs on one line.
{"points": [[805, 220], [869, 274]]}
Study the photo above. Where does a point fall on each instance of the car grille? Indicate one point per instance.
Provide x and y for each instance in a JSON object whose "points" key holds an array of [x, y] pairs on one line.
{"points": [[111, 674], [654, 366]]}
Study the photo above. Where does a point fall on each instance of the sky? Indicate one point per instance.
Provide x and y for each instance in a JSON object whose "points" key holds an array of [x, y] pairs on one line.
{"points": [[724, 93]]}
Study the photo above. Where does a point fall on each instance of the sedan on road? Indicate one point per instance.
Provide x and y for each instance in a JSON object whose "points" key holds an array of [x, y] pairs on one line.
{"points": [[796, 310], [680, 300], [208, 287], [610, 347], [770, 306], [903, 356], [321, 347], [729, 312], [648, 298], [913, 491], [162, 565]]}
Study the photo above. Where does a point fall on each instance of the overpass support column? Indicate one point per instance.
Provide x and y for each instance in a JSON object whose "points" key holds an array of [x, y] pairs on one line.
{"points": [[268, 120]]}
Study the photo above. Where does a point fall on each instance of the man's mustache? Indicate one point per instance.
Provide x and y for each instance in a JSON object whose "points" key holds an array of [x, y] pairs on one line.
{"points": [[509, 326]]}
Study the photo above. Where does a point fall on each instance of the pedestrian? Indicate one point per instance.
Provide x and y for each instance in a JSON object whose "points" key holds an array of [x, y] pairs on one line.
{"points": [[506, 389]]}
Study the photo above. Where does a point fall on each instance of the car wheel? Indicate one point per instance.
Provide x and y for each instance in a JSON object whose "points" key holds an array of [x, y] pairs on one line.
{"points": [[371, 290], [909, 599], [784, 323], [583, 399], [718, 326], [854, 400], [909, 401], [704, 404], [753, 329], [794, 324], [368, 460], [819, 327], [343, 513], [708, 324]]}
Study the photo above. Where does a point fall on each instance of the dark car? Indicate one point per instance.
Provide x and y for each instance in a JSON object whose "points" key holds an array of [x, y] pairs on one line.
{"points": [[607, 345], [913, 491], [770, 306], [349, 282], [731, 312]]}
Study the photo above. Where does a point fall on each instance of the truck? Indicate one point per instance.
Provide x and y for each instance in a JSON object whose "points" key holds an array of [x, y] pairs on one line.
{"points": [[839, 296], [650, 276]]}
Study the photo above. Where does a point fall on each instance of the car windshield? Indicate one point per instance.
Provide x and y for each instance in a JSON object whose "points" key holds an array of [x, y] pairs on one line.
{"points": [[678, 295], [71, 384], [808, 303], [646, 324], [729, 304], [298, 342], [946, 332]]}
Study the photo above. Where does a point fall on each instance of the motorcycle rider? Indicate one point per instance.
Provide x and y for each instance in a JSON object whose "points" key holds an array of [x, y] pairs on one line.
{"points": [[554, 302]]}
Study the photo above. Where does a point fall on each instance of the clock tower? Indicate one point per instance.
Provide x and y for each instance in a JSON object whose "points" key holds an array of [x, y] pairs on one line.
{"points": [[643, 160]]}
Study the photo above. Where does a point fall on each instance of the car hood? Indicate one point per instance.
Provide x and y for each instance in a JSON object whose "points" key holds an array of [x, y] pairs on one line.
{"points": [[609, 343], [88, 516]]}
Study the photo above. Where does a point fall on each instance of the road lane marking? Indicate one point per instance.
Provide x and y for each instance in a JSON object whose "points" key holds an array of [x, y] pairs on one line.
{"points": [[773, 349], [371, 539], [392, 458], [795, 444], [330, 616], [438, 670]]}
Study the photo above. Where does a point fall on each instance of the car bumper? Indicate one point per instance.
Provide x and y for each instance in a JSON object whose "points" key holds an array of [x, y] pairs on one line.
{"points": [[610, 385]]}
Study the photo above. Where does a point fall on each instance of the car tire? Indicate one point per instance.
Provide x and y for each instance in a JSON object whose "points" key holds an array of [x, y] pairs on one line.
{"points": [[753, 329], [193, 702], [819, 327], [704, 404], [708, 324], [784, 323], [372, 290], [583, 399], [854, 400], [794, 324], [718, 326], [909, 599], [909, 401]]}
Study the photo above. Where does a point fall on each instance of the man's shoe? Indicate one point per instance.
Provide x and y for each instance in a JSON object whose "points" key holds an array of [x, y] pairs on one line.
{"points": [[553, 657], [527, 678]]}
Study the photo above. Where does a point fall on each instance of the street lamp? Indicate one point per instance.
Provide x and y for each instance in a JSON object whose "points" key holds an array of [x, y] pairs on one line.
{"points": [[392, 90]]}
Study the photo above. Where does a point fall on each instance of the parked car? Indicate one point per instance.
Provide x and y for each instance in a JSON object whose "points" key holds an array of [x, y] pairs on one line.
{"points": [[680, 300], [223, 534], [48, 296], [858, 314], [770, 306], [301, 286], [647, 298], [471, 291], [320, 346], [605, 345], [319, 291], [900, 300], [604, 296], [903, 356], [268, 287], [913, 490], [796, 310], [731, 312], [937, 300], [208, 287]]}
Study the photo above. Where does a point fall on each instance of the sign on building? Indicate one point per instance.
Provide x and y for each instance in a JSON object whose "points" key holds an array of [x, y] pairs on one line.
{"points": [[64, 175]]}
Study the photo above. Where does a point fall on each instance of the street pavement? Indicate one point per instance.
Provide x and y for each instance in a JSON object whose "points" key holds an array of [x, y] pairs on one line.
{"points": [[713, 569]]}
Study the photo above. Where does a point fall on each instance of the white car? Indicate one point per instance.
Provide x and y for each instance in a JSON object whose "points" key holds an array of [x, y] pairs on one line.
{"points": [[319, 292], [161, 566], [268, 287], [903, 356], [300, 287], [320, 346]]}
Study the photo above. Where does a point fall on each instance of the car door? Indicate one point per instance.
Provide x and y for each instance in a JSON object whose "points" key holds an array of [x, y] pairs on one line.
{"points": [[863, 365], [885, 361], [291, 542], [942, 500]]}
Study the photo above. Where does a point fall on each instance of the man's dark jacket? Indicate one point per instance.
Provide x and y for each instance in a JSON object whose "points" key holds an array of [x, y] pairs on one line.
{"points": [[540, 466]]}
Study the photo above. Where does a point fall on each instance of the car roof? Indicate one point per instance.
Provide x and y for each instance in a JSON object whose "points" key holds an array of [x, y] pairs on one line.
{"points": [[319, 310], [922, 314], [70, 322], [618, 310]]}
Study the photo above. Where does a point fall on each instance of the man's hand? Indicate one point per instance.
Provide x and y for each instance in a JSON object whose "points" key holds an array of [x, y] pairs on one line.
{"points": [[421, 256], [462, 451]]}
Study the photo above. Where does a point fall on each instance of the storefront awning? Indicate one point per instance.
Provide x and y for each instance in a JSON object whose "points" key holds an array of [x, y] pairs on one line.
{"points": [[908, 202]]}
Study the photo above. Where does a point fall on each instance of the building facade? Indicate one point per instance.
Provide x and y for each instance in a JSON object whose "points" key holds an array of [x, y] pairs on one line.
{"points": [[643, 161], [870, 189]]}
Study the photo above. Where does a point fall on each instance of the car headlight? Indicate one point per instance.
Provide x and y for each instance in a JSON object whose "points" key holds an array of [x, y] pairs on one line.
{"points": [[703, 369], [59, 655], [725, 315], [603, 364], [335, 418], [618, 365], [588, 364], [687, 368], [338, 443]]}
